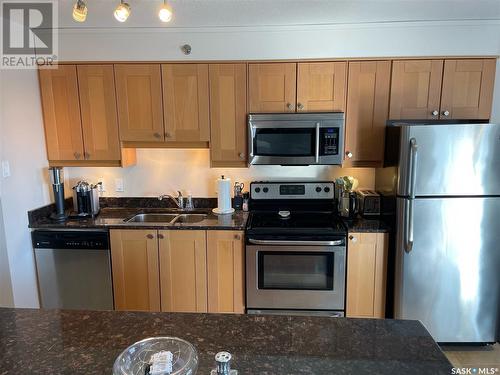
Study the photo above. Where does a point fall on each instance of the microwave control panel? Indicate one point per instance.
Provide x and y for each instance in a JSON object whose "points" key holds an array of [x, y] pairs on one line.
{"points": [[329, 138]]}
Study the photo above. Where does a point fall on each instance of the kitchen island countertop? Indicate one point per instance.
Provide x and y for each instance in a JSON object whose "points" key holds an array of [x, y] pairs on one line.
{"points": [[87, 342]]}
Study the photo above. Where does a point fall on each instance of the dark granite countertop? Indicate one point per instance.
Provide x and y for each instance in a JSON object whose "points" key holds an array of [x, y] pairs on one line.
{"points": [[374, 224], [115, 211], [80, 342]]}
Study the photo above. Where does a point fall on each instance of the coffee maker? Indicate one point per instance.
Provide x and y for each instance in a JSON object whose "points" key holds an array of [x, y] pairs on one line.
{"points": [[86, 199]]}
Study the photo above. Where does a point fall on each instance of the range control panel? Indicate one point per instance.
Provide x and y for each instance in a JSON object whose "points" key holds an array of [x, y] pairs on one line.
{"points": [[292, 190]]}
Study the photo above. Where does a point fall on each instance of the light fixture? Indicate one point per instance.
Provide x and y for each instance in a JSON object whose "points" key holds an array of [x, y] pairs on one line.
{"points": [[165, 12], [80, 11], [122, 11]]}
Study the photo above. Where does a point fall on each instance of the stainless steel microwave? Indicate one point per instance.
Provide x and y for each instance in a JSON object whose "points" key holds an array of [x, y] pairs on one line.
{"points": [[296, 138]]}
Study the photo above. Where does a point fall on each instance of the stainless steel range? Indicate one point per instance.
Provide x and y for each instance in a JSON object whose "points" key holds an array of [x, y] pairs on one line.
{"points": [[295, 250]]}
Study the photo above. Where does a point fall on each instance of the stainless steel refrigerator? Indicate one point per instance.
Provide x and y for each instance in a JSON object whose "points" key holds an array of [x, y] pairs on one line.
{"points": [[447, 187]]}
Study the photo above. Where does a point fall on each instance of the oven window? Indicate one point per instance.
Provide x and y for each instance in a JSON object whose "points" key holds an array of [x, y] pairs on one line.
{"points": [[295, 270], [285, 142]]}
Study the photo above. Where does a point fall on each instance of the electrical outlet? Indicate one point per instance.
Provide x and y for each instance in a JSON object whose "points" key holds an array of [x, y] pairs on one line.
{"points": [[102, 186], [5, 168], [119, 185]]}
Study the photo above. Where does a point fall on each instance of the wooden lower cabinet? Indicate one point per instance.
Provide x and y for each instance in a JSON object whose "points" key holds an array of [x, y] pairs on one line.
{"points": [[225, 269], [134, 257], [178, 270], [366, 275], [183, 270]]}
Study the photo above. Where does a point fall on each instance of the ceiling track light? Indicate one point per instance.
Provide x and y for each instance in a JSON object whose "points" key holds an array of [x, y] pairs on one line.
{"points": [[165, 13], [80, 11], [122, 11]]}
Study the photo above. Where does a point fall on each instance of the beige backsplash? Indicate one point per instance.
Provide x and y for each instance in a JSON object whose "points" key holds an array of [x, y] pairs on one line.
{"points": [[168, 170]]}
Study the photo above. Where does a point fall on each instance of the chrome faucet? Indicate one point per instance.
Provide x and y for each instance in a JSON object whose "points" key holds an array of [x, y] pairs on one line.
{"points": [[179, 200]]}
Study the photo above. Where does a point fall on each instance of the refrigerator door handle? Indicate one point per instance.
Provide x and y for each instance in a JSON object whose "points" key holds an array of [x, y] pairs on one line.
{"points": [[408, 226], [412, 168]]}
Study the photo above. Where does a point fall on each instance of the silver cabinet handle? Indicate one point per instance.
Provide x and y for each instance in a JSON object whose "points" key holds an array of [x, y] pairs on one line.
{"points": [[353, 239], [237, 237], [150, 236], [77, 155], [297, 243], [167, 135], [300, 106], [241, 155], [446, 113], [157, 135], [348, 154], [161, 236], [317, 142], [86, 155], [435, 112], [289, 106]]}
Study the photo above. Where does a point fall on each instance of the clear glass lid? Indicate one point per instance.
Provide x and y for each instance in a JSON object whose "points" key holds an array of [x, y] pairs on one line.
{"points": [[157, 356]]}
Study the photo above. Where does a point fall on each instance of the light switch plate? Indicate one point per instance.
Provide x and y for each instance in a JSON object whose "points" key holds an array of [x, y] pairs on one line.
{"points": [[5, 168], [119, 185]]}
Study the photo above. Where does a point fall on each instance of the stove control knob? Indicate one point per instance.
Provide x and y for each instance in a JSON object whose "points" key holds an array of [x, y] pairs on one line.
{"points": [[257, 189], [326, 189], [318, 189], [265, 190]]}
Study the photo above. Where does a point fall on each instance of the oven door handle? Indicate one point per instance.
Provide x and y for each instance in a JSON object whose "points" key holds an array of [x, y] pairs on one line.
{"points": [[298, 243]]}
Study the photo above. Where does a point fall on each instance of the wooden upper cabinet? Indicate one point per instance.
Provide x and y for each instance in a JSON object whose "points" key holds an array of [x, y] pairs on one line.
{"points": [[415, 89], [321, 86], [468, 88], [272, 87], [367, 111], [139, 101], [185, 102], [228, 115], [183, 270], [61, 113], [225, 267], [366, 275], [96, 85], [136, 280]]}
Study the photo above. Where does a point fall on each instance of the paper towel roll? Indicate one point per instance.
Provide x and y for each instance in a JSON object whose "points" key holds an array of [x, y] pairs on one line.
{"points": [[223, 195]]}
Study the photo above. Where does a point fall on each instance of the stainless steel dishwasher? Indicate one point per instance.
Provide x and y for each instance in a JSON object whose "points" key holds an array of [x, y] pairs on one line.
{"points": [[73, 269]]}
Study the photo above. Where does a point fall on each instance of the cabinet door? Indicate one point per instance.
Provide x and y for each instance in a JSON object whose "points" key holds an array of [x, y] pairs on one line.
{"points": [[138, 92], [96, 85], [321, 86], [272, 87], [226, 280], [185, 102], [416, 89], [366, 275], [228, 115], [136, 280], [467, 89], [183, 270], [61, 113], [367, 111]]}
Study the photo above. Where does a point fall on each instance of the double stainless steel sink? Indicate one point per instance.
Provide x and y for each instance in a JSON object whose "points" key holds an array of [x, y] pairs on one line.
{"points": [[168, 218]]}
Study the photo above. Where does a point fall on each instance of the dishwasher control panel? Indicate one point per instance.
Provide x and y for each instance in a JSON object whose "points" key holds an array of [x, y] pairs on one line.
{"points": [[46, 239]]}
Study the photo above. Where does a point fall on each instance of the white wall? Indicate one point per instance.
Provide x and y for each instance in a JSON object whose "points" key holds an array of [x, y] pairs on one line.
{"points": [[161, 171], [23, 146], [165, 170]]}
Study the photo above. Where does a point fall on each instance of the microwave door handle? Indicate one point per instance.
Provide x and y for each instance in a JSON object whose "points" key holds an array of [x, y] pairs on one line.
{"points": [[317, 143], [252, 137]]}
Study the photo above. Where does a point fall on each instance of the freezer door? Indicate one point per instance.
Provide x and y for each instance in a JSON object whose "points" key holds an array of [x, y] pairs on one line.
{"points": [[450, 278], [449, 160]]}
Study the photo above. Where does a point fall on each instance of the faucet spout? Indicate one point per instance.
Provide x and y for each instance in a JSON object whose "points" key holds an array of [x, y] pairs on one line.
{"points": [[178, 201]]}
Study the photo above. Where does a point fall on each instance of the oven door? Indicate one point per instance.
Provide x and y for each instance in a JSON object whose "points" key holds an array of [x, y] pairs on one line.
{"points": [[295, 277]]}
